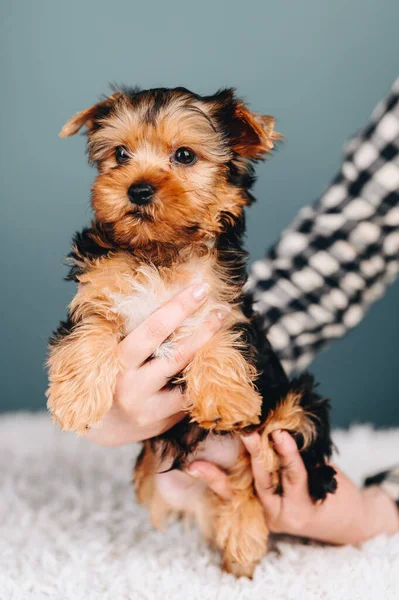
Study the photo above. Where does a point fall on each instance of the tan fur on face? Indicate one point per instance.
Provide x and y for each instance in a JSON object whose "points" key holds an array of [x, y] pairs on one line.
{"points": [[190, 201]]}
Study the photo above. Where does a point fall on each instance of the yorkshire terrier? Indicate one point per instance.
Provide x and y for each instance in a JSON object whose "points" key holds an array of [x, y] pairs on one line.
{"points": [[175, 170]]}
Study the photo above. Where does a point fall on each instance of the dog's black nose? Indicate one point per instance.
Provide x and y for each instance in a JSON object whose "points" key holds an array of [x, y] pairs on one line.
{"points": [[140, 193]]}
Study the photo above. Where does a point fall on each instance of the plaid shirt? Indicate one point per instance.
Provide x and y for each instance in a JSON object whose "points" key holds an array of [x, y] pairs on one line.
{"points": [[339, 255]]}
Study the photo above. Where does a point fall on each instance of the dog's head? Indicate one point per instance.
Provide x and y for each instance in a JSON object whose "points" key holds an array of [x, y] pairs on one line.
{"points": [[173, 166]]}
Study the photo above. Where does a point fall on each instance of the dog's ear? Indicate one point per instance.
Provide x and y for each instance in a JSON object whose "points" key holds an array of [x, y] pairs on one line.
{"points": [[253, 135], [250, 135], [87, 117]]}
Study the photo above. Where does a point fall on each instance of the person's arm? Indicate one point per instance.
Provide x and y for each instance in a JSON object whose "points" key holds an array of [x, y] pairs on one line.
{"points": [[143, 407], [339, 255], [350, 516]]}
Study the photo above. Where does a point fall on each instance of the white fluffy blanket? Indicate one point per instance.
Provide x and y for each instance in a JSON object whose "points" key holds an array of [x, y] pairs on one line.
{"points": [[70, 529]]}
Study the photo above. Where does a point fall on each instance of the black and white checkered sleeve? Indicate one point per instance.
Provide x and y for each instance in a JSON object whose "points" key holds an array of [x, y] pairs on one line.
{"points": [[340, 255]]}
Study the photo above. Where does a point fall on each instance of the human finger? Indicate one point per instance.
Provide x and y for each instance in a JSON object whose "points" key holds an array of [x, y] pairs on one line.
{"points": [[216, 479], [262, 478], [142, 342], [161, 405], [114, 432], [159, 370], [293, 471]]}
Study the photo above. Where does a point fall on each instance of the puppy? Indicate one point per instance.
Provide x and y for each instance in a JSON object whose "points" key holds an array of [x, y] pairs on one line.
{"points": [[175, 171]]}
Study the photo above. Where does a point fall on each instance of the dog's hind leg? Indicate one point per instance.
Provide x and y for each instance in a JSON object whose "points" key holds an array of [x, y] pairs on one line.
{"points": [[239, 525], [170, 494], [304, 413], [147, 492], [317, 452]]}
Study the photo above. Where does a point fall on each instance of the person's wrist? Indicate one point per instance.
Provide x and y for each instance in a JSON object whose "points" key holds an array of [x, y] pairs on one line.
{"points": [[382, 514], [373, 513], [342, 518]]}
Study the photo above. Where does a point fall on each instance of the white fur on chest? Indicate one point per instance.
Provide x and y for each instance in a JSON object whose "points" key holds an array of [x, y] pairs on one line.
{"points": [[149, 291]]}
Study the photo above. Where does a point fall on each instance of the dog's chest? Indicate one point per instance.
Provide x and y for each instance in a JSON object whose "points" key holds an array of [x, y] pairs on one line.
{"points": [[149, 288]]}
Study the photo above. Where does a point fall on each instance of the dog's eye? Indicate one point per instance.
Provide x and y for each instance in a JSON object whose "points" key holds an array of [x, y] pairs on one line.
{"points": [[185, 156], [121, 155]]}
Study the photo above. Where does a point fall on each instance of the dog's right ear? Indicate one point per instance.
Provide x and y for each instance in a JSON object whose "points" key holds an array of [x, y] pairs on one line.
{"points": [[89, 116]]}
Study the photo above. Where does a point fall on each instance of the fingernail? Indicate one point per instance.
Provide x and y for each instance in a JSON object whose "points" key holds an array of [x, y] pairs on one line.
{"points": [[193, 473], [278, 436], [246, 434], [221, 313], [201, 291], [250, 440]]}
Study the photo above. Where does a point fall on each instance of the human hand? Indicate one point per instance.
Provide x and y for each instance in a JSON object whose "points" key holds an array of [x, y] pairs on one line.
{"points": [[350, 516], [142, 408]]}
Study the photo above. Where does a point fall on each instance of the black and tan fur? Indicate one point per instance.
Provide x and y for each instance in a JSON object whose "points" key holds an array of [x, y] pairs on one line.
{"points": [[133, 258]]}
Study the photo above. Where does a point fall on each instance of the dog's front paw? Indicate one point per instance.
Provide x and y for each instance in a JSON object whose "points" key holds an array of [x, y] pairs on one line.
{"points": [[224, 410], [237, 569], [75, 414], [82, 379]]}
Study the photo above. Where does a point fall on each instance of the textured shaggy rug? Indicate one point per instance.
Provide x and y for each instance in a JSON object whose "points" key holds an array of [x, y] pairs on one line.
{"points": [[70, 529]]}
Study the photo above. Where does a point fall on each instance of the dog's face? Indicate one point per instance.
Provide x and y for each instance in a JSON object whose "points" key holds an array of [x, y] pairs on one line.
{"points": [[173, 167]]}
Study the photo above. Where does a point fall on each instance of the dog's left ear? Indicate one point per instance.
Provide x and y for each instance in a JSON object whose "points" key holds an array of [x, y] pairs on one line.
{"points": [[251, 135]]}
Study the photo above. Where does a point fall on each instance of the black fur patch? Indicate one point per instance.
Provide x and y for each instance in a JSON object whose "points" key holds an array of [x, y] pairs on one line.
{"points": [[178, 443], [103, 110], [321, 476], [159, 98], [63, 330], [85, 245], [231, 253], [242, 178]]}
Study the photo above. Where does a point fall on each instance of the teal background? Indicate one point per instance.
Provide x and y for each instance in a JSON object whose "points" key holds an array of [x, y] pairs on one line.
{"points": [[318, 66]]}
